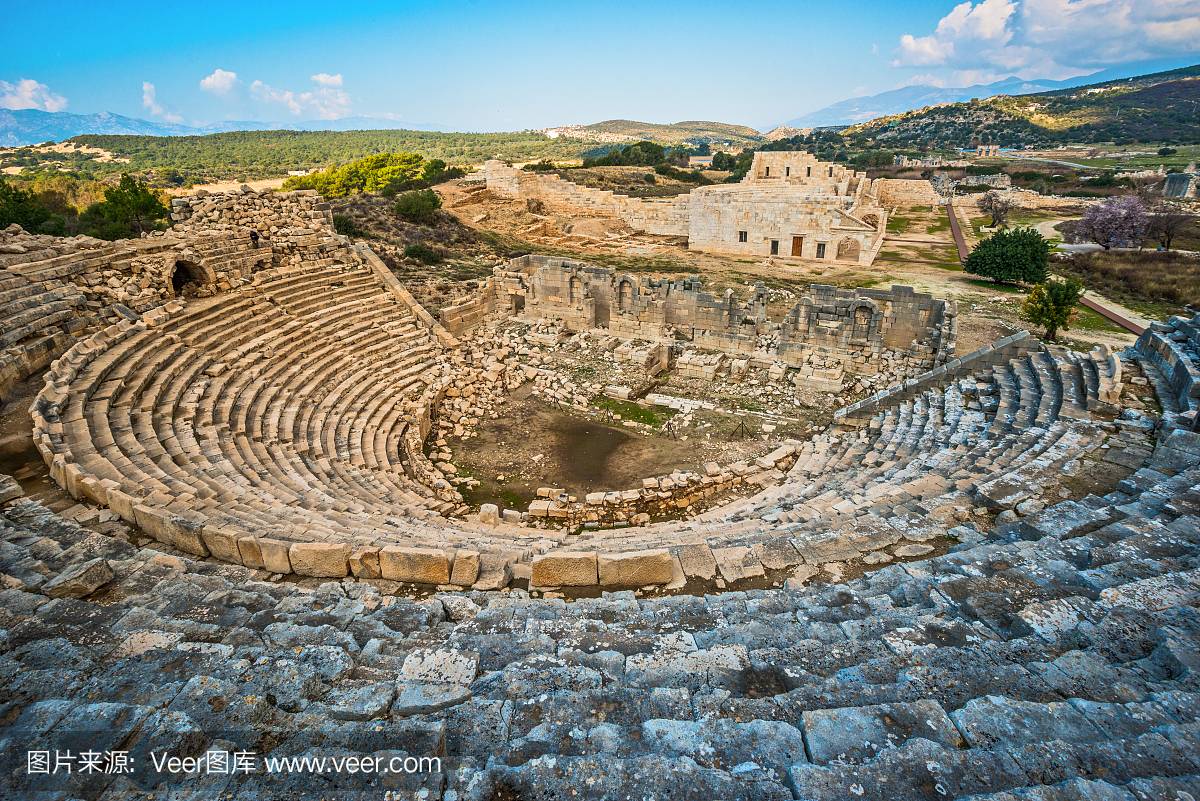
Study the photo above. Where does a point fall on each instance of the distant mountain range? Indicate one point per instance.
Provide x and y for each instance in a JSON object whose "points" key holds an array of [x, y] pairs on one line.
{"points": [[32, 126], [897, 101]]}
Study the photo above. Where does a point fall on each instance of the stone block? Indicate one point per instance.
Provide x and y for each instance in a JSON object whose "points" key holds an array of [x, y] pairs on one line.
{"points": [[416, 565], [275, 555], [322, 559], [79, 581], [635, 568], [858, 733], [697, 561], [564, 569], [364, 562], [465, 571], [441, 665], [489, 514], [251, 553], [222, 543]]}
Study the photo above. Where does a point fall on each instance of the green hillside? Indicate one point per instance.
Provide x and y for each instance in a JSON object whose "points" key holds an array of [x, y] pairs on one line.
{"points": [[678, 132], [1163, 107], [264, 154]]}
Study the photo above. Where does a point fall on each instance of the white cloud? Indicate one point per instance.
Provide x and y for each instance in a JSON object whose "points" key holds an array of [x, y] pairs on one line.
{"points": [[987, 40], [219, 82], [150, 102], [327, 101], [28, 93]]}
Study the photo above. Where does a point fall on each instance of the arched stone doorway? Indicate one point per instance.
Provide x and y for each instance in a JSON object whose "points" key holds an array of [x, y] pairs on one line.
{"points": [[848, 250], [187, 277], [625, 295]]}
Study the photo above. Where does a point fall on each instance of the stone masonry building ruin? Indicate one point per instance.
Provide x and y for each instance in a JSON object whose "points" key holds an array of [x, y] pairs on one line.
{"points": [[981, 582], [828, 331], [788, 205]]}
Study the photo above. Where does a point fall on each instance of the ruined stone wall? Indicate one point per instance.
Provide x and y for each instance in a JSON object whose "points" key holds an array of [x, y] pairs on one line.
{"points": [[269, 213], [827, 332], [807, 208], [465, 314], [893, 192], [798, 168], [664, 216]]}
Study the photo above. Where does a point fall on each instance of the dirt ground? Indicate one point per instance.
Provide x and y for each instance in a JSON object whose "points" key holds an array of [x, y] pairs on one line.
{"points": [[534, 444]]}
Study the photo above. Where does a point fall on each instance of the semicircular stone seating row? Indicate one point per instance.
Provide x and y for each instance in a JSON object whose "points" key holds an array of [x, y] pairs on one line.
{"points": [[285, 413], [280, 426]]}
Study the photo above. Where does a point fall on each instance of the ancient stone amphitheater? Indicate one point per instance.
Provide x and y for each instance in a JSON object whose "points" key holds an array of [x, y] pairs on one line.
{"points": [[989, 570]]}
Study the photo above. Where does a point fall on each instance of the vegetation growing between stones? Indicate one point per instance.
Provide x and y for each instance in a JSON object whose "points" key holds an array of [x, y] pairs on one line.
{"points": [[418, 206], [628, 410]]}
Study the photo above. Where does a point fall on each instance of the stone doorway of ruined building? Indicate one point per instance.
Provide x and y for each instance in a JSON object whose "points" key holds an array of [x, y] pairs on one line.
{"points": [[797, 245], [185, 276]]}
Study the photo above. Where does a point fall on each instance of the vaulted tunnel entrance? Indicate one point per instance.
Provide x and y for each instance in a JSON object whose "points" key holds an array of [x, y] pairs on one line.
{"points": [[186, 278]]}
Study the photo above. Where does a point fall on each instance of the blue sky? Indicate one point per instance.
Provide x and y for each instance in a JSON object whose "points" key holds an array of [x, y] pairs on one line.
{"points": [[508, 65]]}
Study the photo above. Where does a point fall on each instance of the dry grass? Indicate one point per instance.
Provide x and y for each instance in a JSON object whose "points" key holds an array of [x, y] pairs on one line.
{"points": [[1143, 276]]}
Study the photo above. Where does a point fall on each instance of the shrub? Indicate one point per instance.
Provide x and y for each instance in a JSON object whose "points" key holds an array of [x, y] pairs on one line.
{"points": [[128, 209], [1017, 255], [540, 166], [418, 206], [423, 253], [687, 176], [1052, 305], [21, 207], [386, 173], [345, 225]]}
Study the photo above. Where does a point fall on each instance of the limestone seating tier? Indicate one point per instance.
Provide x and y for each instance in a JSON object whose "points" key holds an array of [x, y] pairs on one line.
{"points": [[1059, 660], [988, 439], [1169, 353], [37, 322]]}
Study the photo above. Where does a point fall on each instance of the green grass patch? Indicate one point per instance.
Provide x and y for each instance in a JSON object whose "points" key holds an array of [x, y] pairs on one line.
{"points": [[628, 410], [866, 282], [939, 225], [898, 224], [1088, 320]]}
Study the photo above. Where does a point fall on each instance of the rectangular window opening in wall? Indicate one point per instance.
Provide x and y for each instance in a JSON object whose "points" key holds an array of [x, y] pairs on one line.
{"points": [[774, 247], [787, 171], [767, 174], [808, 172], [743, 236], [831, 172], [820, 250]]}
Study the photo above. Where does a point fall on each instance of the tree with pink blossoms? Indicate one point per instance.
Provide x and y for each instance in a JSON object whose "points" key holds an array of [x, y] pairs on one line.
{"points": [[1117, 222]]}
